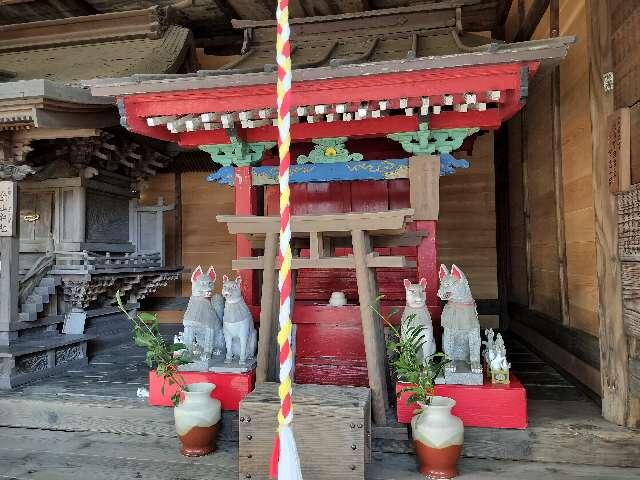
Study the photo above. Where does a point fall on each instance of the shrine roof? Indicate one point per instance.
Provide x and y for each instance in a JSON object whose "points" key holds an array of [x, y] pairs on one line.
{"points": [[107, 45], [548, 52]]}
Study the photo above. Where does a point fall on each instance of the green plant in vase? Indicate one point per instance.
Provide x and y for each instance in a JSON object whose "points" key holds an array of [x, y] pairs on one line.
{"points": [[420, 376], [162, 356]]}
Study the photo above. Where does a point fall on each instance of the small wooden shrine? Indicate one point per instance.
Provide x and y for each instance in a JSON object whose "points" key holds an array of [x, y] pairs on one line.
{"points": [[72, 230], [409, 75]]}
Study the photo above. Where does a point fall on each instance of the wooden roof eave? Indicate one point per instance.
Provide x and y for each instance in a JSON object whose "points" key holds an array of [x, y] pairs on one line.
{"points": [[548, 52]]}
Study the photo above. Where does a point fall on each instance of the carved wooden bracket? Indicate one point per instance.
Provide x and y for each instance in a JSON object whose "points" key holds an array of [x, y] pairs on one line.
{"points": [[429, 142]]}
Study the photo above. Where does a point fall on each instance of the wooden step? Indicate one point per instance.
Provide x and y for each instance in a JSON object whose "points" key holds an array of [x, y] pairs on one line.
{"points": [[38, 454], [565, 432], [27, 316], [32, 307]]}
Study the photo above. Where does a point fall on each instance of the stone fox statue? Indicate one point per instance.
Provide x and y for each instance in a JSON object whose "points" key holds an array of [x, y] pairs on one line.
{"points": [[461, 337], [239, 333], [203, 318], [416, 311]]}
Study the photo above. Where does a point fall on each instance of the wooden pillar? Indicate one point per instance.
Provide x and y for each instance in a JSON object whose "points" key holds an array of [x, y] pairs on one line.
{"points": [[554, 27], [246, 204], [503, 235], [619, 405], [424, 194], [372, 329], [177, 228], [268, 308], [9, 254]]}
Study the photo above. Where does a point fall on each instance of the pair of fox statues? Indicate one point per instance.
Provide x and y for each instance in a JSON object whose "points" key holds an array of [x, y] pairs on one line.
{"points": [[461, 342], [222, 325], [218, 324]]}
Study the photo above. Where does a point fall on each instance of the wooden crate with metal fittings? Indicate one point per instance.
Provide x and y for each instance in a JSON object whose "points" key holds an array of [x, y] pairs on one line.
{"points": [[331, 424]]}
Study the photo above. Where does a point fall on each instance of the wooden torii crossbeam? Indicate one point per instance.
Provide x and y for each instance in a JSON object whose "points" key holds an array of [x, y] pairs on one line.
{"points": [[320, 229]]}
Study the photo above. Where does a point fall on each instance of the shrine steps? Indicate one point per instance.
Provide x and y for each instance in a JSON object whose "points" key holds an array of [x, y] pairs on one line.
{"points": [[558, 432], [39, 299]]}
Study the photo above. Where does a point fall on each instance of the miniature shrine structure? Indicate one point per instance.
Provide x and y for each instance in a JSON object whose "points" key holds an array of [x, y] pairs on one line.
{"points": [[138, 140], [75, 233], [427, 85]]}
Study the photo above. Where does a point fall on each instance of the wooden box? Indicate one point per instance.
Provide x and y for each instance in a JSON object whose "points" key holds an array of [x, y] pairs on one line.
{"points": [[489, 405], [331, 424], [230, 387]]}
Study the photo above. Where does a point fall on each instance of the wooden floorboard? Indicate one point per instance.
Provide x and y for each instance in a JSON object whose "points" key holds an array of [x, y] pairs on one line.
{"points": [[54, 455], [71, 425]]}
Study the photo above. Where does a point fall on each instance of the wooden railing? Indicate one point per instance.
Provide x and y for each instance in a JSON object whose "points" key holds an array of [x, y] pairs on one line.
{"points": [[76, 262]]}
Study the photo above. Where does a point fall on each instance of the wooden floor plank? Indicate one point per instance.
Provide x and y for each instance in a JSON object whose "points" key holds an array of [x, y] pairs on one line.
{"points": [[404, 467]]}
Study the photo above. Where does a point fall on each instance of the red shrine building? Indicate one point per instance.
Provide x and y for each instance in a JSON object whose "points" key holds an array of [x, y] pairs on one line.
{"points": [[379, 105]]}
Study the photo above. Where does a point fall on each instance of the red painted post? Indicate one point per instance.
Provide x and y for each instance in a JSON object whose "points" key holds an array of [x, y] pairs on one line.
{"points": [[427, 265], [246, 204]]}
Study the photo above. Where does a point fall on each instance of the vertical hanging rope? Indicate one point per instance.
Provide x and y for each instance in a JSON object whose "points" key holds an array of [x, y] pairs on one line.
{"points": [[284, 460]]}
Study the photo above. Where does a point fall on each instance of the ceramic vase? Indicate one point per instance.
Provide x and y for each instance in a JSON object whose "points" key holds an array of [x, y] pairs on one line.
{"points": [[438, 436], [197, 420]]}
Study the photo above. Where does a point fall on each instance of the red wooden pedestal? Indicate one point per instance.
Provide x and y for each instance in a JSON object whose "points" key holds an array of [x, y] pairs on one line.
{"points": [[488, 405], [230, 387]]}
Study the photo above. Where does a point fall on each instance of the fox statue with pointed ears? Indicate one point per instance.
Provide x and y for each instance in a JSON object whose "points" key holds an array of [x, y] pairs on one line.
{"points": [[240, 335], [461, 337], [202, 320], [416, 313]]}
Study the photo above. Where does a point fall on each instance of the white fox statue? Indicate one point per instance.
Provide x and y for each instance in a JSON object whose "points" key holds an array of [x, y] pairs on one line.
{"points": [[461, 337], [240, 335], [202, 320], [417, 313]]}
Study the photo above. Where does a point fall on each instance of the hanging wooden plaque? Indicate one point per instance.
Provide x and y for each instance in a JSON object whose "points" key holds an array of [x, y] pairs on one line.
{"points": [[619, 150], [7, 208]]}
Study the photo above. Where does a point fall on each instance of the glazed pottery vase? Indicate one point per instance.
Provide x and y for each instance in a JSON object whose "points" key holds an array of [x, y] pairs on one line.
{"points": [[438, 436], [197, 420]]}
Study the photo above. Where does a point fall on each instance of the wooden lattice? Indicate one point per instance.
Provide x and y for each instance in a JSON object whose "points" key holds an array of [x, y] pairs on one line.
{"points": [[629, 225]]}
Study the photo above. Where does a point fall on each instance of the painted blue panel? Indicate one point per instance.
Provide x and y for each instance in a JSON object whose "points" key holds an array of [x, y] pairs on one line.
{"points": [[223, 175], [340, 172]]}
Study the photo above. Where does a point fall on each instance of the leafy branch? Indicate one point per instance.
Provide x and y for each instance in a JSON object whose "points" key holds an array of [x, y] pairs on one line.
{"points": [[165, 357], [405, 359]]}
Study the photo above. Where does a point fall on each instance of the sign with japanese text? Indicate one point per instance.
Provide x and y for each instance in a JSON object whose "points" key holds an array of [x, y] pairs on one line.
{"points": [[7, 208]]}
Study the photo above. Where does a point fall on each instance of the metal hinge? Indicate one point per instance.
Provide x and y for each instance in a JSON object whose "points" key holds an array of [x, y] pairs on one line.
{"points": [[607, 82]]}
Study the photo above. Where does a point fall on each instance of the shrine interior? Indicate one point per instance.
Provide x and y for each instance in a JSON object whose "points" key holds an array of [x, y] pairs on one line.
{"points": [[479, 151]]}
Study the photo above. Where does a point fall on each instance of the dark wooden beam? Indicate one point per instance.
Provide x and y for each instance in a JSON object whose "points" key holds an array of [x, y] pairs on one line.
{"points": [[618, 404], [502, 11], [177, 228], [584, 346], [556, 141], [531, 21], [503, 236]]}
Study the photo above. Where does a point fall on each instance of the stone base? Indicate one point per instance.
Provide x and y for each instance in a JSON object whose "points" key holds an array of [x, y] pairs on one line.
{"points": [[217, 364], [32, 359], [462, 376]]}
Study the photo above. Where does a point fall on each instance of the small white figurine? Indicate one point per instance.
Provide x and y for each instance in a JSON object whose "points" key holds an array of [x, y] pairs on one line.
{"points": [[416, 310], [488, 343], [203, 318], [461, 338], [497, 361], [240, 335]]}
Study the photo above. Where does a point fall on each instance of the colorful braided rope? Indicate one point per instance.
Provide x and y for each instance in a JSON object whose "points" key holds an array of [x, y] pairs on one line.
{"points": [[284, 461]]}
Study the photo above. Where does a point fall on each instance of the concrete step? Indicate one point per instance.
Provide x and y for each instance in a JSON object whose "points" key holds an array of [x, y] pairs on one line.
{"points": [[45, 290], [38, 298], [50, 281], [28, 316], [32, 307]]}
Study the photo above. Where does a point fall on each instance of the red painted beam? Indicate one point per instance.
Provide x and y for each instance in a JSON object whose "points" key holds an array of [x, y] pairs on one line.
{"points": [[354, 89]]}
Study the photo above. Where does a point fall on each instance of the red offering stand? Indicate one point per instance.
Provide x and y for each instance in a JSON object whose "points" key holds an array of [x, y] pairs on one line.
{"points": [[489, 405], [230, 387]]}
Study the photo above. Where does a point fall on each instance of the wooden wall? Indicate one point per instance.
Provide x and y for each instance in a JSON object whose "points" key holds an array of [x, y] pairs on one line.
{"points": [[577, 172], [535, 264], [467, 224], [204, 241]]}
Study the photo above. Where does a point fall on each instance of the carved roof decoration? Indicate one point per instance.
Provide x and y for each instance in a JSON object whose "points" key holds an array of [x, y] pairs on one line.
{"points": [[111, 151], [112, 44]]}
